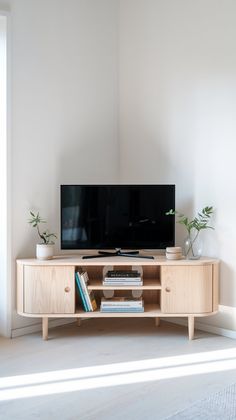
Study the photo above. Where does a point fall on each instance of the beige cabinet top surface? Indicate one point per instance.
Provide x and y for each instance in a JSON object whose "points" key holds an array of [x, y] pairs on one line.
{"points": [[78, 260]]}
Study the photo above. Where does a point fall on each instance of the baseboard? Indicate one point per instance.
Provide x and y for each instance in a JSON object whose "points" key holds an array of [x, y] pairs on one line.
{"points": [[17, 332], [213, 329]]}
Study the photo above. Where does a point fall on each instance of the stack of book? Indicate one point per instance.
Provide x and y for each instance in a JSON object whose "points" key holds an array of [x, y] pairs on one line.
{"points": [[122, 304], [122, 278], [87, 296]]}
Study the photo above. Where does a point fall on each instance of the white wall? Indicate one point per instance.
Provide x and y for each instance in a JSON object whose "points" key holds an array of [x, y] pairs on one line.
{"points": [[64, 107], [178, 113], [175, 64], [5, 310], [156, 113]]}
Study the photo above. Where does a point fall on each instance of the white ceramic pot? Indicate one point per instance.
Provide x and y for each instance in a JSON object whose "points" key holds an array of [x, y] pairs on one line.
{"points": [[44, 252]]}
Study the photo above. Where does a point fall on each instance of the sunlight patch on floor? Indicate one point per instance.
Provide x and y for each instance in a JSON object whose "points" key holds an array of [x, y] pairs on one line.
{"points": [[117, 374]]}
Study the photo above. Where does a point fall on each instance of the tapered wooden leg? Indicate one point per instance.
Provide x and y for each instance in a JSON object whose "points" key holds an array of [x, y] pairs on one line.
{"points": [[191, 327], [78, 322], [157, 322], [45, 328]]}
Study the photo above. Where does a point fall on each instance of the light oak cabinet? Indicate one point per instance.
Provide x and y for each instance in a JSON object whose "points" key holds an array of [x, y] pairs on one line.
{"points": [[186, 289], [49, 290], [182, 288]]}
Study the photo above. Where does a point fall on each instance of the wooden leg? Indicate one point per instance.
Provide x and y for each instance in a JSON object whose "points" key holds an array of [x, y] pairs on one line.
{"points": [[78, 322], [191, 327], [157, 322], [45, 328]]}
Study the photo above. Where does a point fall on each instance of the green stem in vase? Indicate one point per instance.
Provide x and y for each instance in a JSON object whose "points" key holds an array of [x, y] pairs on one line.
{"points": [[199, 222], [191, 244]]}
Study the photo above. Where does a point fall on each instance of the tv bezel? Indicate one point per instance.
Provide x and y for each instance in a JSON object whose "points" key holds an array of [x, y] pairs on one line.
{"points": [[111, 185]]}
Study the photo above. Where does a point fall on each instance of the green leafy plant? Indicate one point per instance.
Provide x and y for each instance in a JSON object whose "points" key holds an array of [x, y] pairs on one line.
{"points": [[198, 223], [47, 237]]}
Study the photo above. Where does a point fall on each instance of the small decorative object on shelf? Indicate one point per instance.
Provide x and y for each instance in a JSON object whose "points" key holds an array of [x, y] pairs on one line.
{"points": [[192, 245], [174, 252], [44, 250]]}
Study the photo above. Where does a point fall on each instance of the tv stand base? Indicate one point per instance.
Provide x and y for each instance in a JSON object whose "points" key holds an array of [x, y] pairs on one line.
{"points": [[118, 253]]}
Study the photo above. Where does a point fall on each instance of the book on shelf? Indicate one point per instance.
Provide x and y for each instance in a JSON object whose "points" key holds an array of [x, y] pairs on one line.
{"points": [[123, 273], [87, 296], [122, 310], [80, 292], [122, 283], [122, 302], [116, 279], [122, 278]]}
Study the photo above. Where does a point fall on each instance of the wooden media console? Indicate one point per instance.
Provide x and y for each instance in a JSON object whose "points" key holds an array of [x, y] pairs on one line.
{"points": [[181, 288]]}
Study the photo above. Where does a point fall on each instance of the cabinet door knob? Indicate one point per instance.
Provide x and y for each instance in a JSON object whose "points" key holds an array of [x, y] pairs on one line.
{"points": [[168, 289], [67, 289]]}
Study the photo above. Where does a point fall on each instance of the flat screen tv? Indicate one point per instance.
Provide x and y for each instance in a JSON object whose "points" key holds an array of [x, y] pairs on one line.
{"points": [[117, 216]]}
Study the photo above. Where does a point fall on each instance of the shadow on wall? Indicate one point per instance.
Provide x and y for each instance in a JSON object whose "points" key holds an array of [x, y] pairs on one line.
{"points": [[154, 161], [227, 285], [88, 161], [29, 239]]}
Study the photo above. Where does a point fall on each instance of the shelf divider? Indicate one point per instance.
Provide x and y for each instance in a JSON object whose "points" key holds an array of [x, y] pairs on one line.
{"points": [[147, 285]]}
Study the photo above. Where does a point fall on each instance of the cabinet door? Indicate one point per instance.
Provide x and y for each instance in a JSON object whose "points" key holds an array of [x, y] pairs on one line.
{"points": [[186, 289], [49, 290]]}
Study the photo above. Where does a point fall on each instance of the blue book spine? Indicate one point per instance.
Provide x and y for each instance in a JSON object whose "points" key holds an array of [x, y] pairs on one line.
{"points": [[81, 292], [83, 284]]}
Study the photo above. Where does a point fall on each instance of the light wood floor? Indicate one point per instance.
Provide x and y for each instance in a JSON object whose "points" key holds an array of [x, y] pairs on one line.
{"points": [[114, 369]]}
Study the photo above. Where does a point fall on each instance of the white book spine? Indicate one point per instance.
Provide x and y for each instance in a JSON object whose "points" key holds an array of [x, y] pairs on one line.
{"points": [[122, 284], [122, 278], [111, 310]]}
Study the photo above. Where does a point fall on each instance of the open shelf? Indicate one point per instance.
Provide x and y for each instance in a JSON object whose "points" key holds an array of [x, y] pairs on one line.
{"points": [[147, 285], [150, 310]]}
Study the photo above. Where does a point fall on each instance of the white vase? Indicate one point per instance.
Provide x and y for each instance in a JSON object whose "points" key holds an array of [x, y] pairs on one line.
{"points": [[44, 252]]}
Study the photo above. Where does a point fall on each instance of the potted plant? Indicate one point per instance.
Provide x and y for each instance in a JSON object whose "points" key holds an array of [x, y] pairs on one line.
{"points": [[201, 221], [44, 250]]}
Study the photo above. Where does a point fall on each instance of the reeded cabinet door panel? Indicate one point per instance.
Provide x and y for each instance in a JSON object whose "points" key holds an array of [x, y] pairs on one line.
{"points": [[186, 289], [49, 290]]}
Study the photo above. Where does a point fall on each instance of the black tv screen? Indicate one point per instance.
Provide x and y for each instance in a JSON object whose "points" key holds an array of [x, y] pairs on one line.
{"points": [[117, 216]]}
